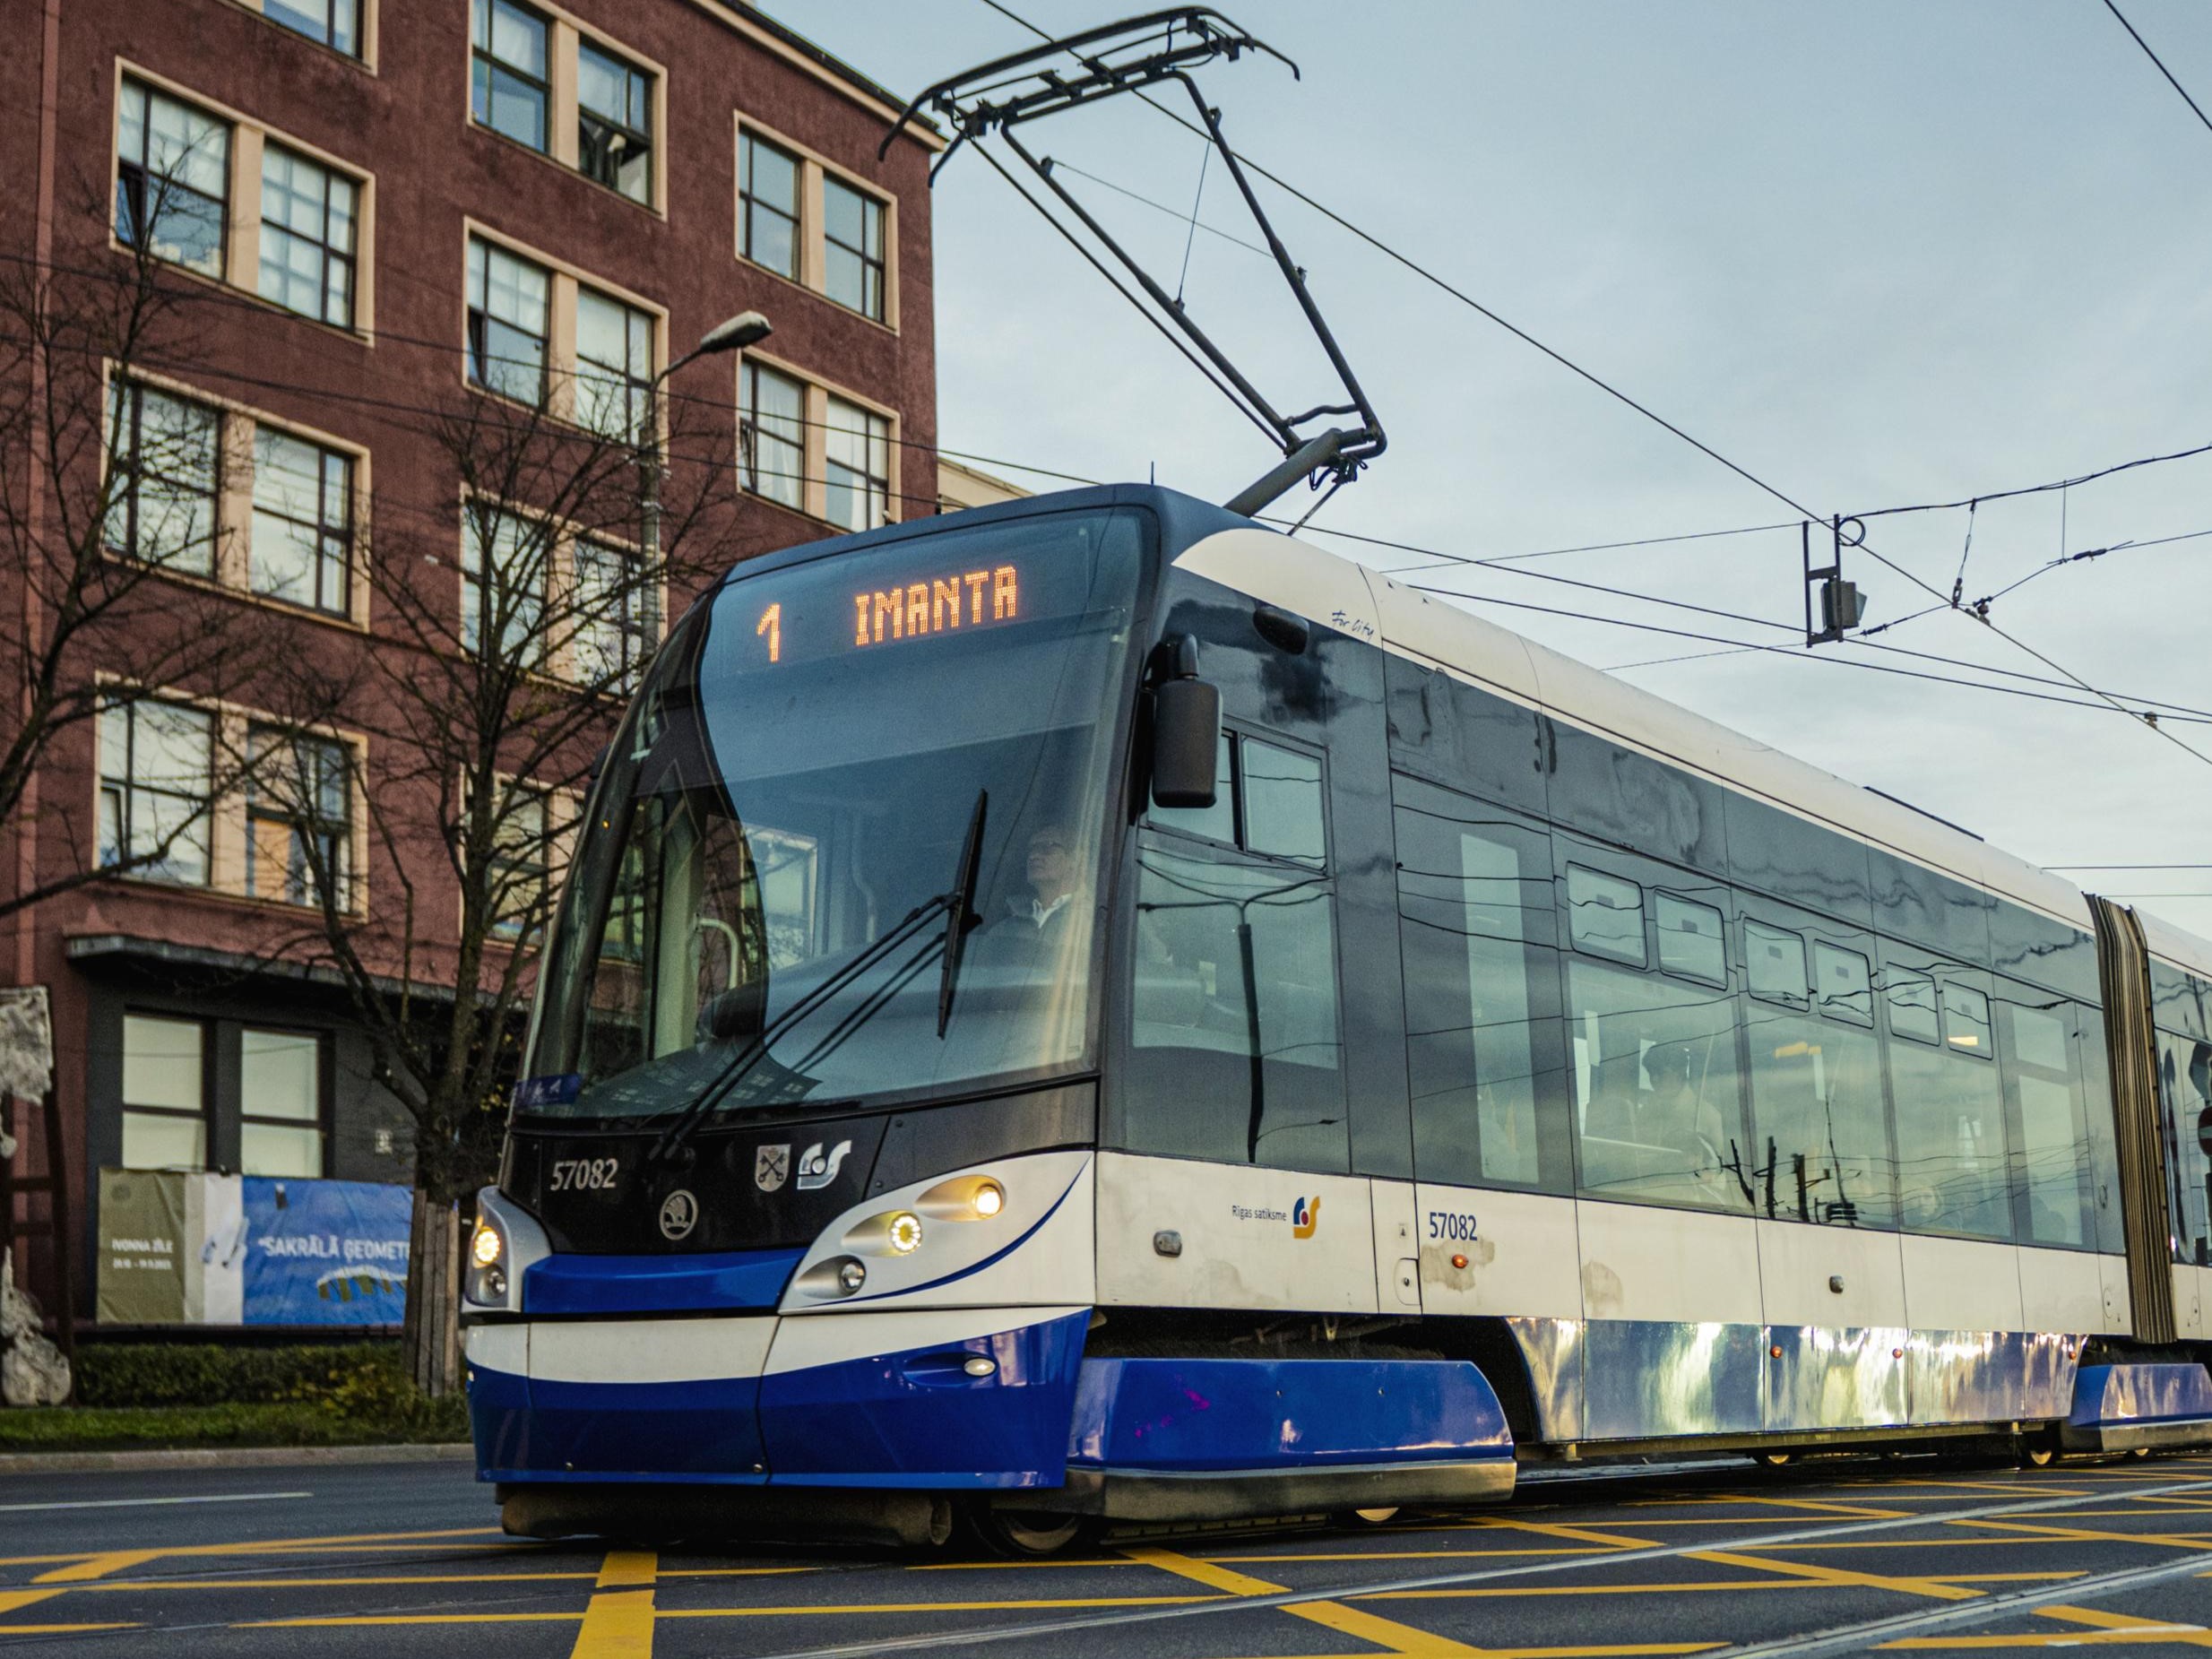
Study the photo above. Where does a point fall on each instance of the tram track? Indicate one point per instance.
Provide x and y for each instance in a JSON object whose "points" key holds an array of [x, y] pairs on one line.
{"points": [[1842, 1638]]}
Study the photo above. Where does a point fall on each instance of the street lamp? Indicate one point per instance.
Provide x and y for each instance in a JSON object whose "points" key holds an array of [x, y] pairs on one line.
{"points": [[747, 328]]}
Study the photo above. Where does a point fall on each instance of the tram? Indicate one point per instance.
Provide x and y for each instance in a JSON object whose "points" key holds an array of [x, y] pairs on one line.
{"points": [[1091, 1009]]}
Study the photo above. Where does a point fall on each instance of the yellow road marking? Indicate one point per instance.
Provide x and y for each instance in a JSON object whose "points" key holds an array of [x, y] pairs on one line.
{"points": [[60, 1630], [2084, 1534], [1407, 1555], [97, 1566], [9, 1600], [2110, 1629], [1385, 1633], [1842, 1575], [824, 1609], [1842, 1511], [1552, 1529], [617, 1624]]}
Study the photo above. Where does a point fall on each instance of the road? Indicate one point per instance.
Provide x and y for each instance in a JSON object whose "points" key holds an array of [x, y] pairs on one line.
{"points": [[1836, 1556]]}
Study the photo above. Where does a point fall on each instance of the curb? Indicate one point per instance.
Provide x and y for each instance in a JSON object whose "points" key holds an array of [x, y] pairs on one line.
{"points": [[227, 1457]]}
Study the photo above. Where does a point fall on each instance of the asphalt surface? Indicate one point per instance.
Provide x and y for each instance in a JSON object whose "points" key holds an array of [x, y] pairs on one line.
{"points": [[1831, 1557]]}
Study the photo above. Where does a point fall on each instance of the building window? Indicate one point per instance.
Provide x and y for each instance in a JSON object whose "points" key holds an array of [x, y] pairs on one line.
{"points": [[610, 599], [303, 523], [521, 863], [614, 366], [280, 1104], [163, 478], [509, 323], [298, 819], [307, 218], [336, 23], [503, 588], [857, 466], [173, 181], [768, 205], [156, 777], [772, 435], [508, 62], [164, 1093], [613, 123], [852, 268]]}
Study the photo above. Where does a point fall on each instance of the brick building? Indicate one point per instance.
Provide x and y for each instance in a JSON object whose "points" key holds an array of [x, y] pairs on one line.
{"points": [[376, 210]]}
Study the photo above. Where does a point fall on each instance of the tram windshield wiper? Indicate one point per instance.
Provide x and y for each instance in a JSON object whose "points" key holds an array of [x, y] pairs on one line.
{"points": [[960, 918], [717, 1089]]}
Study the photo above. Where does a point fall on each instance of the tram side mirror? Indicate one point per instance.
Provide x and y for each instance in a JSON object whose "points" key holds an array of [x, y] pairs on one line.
{"points": [[736, 1012], [1186, 731]]}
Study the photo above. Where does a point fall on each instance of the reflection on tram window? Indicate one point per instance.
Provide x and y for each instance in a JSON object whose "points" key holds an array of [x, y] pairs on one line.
{"points": [[2053, 1139], [2185, 1086], [1235, 964], [1656, 1101], [1474, 907], [1821, 1140], [1692, 939], [1281, 796], [1605, 915], [1775, 960], [1966, 1020], [1842, 984], [1950, 1141], [1912, 1006]]}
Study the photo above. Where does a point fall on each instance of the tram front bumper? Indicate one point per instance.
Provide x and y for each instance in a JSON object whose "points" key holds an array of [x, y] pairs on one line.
{"points": [[976, 1399]]}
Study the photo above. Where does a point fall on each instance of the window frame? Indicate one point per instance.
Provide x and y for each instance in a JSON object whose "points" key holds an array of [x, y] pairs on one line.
{"points": [[483, 56], [134, 175], [348, 261], [310, 821], [635, 76], [125, 784], [1239, 733], [364, 50], [1568, 868], [204, 1115], [132, 391], [874, 214], [637, 390], [1663, 896], [322, 1121], [750, 431], [1799, 1001], [477, 297], [811, 243], [344, 533], [750, 201]]}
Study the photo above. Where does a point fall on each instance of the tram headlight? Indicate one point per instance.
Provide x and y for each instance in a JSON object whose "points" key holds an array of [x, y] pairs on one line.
{"points": [[963, 1198], [851, 1276], [839, 1277], [892, 1232], [903, 1234], [486, 1246]]}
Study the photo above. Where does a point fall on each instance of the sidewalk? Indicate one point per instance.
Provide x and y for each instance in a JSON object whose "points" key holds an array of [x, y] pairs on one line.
{"points": [[227, 1458]]}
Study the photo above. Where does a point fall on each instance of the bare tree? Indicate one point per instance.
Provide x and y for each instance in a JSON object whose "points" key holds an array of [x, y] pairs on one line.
{"points": [[112, 565], [483, 708]]}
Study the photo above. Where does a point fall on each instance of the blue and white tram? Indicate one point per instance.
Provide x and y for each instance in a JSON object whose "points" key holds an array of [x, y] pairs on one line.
{"points": [[1475, 1060]]}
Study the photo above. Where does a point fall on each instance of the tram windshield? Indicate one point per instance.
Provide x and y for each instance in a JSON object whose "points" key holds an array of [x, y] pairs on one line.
{"points": [[759, 913]]}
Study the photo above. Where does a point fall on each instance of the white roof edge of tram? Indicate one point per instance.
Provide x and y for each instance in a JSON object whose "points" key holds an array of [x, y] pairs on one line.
{"points": [[1315, 582]]}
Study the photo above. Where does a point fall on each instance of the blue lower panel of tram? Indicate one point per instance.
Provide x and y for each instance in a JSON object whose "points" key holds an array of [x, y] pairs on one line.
{"points": [[2127, 1407], [924, 1417], [1205, 1417]]}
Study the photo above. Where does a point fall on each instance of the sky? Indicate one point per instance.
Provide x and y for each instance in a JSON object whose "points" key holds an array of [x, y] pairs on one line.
{"points": [[1877, 254]]}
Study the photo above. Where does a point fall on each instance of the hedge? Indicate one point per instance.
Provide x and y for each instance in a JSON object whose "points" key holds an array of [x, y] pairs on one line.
{"points": [[204, 1374]]}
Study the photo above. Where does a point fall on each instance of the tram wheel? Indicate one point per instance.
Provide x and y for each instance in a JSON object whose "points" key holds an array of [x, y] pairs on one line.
{"points": [[1773, 1460], [1022, 1536], [2035, 1451], [1364, 1517]]}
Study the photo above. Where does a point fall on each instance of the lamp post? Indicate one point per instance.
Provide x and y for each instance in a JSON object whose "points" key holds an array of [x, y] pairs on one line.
{"points": [[747, 328]]}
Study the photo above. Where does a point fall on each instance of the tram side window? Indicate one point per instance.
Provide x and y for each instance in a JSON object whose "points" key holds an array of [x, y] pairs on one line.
{"points": [[1693, 939], [2185, 1086], [1842, 985], [2044, 1095], [1951, 1147], [1820, 1149], [1236, 1052], [1658, 1109], [1775, 960], [1477, 929], [1605, 915]]}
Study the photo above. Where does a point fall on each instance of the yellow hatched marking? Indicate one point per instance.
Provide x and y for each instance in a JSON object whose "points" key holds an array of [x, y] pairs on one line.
{"points": [[2087, 1534], [141, 1585], [1401, 1555], [1553, 1529], [1657, 1587], [1842, 1511], [335, 1620], [96, 1566], [824, 1609], [1844, 1576], [60, 1630], [9, 1600], [617, 1624], [2109, 1629], [1385, 1633]]}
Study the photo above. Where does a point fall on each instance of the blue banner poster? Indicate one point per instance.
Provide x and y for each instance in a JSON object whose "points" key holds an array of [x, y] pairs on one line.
{"points": [[325, 1252]]}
